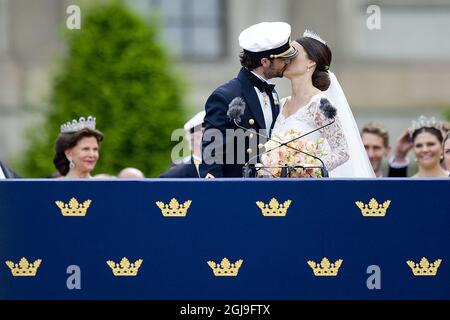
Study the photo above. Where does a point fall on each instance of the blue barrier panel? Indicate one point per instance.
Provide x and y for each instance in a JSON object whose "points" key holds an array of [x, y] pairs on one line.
{"points": [[223, 220]]}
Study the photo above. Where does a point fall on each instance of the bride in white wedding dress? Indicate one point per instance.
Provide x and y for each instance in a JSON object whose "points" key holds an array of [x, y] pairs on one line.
{"points": [[311, 82]]}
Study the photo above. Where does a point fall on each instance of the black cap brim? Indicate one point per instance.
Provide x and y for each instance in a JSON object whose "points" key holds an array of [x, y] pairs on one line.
{"points": [[290, 54]]}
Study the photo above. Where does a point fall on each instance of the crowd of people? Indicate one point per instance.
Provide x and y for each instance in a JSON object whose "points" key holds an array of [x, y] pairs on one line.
{"points": [[77, 152], [427, 139]]}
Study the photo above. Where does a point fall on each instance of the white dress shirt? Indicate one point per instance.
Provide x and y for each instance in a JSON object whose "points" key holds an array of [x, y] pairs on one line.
{"points": [[398, 164], [266, 105]]}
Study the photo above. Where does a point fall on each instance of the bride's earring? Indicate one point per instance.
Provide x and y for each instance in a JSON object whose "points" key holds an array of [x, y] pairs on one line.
{"points": [[71, 164]]}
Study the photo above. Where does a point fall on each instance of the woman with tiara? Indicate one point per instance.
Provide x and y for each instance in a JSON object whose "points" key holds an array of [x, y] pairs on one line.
{"points": [[77, 148], [428, 143], [314, 89]]}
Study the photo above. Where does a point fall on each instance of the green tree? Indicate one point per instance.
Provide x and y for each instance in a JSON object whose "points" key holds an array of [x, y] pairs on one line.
{"points": [[447, 113], [116, 71]]}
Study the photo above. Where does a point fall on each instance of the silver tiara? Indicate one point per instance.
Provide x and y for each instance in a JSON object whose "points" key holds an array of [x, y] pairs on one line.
{"points": [[311, 34], [424, 122], [81, 124]]}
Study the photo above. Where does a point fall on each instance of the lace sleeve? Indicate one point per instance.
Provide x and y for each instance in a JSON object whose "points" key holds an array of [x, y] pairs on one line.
{"points": [[334, 136]]}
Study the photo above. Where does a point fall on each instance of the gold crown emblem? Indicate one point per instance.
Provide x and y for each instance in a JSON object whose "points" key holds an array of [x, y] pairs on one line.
{"points": [[125, 268], [225, 268], [424, 268], [24, 268], [373, 209], [174, 209], [73, 208], [274, 209], [325, 268]]}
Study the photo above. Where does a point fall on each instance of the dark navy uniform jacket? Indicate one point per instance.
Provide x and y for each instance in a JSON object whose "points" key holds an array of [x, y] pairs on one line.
{"points": [[216, 118]]}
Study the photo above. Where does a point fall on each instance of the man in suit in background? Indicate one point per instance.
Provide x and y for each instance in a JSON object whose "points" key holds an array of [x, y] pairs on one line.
{"points": [[375, 138], [190, 165], [6, 172], [266, 53]]}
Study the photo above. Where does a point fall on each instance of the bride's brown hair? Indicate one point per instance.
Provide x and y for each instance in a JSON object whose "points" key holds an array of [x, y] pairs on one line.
{"points": [[321, 54]]}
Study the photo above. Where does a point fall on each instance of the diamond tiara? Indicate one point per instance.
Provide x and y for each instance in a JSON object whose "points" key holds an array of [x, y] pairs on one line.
{"points": [[311, 34], [81, 124], [424, 122]]}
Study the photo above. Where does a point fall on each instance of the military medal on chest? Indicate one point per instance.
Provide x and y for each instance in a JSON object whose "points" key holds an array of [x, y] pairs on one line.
{"points": [[276, 100]]}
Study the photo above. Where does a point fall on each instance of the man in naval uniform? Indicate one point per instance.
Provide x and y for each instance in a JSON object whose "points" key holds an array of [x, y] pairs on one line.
{"points": [[190, 165], [266, 53]]}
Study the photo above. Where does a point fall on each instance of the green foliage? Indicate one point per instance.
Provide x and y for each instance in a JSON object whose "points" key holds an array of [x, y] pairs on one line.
{"points": [[447, 113], [116, 71]]}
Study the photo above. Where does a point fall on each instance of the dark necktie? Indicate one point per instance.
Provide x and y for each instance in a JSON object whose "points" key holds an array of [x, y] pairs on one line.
{"points": [[266, 87], [262, 85]]}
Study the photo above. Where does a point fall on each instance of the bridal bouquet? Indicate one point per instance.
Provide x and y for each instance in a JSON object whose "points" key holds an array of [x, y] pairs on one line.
{"points": [[302, 164]]}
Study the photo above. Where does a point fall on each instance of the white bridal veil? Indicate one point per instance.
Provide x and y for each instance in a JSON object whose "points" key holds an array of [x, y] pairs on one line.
{"points": [[358, 165]]}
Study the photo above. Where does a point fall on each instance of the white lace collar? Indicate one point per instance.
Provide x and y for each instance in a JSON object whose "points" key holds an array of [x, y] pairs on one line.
{"points": [[311, 100]]}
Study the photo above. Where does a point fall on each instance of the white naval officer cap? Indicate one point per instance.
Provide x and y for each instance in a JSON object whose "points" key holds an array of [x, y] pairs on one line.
{"points": [[195, 121], [268, 40]]}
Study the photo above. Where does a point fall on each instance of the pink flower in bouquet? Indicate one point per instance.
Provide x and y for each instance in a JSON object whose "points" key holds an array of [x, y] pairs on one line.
{"points": [[289, 154], [282, 153]]}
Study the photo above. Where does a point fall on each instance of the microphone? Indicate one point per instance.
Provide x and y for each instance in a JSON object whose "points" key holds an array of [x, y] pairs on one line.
{"points": [[329, 112], [236, 109]]}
